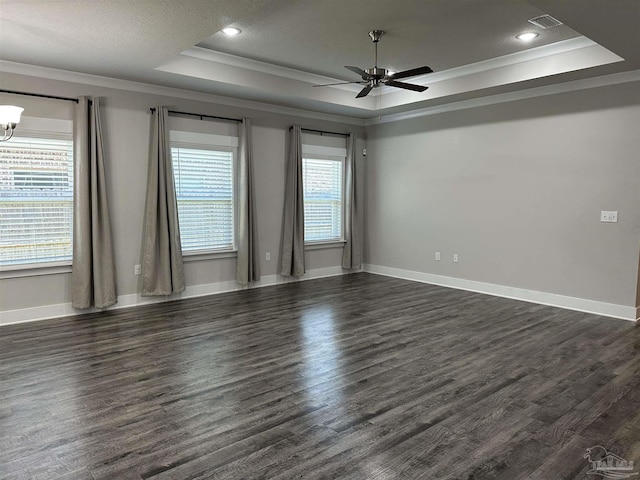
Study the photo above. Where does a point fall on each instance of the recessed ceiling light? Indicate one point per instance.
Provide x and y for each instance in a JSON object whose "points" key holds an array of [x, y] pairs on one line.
{"points": [[231, 31], [527, 36]]}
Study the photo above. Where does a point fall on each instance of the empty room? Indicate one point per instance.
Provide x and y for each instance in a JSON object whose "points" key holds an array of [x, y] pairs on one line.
{"points": [[319, 239]]}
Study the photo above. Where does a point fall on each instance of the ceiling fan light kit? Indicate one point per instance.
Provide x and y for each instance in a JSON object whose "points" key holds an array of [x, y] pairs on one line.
{"points": [[377, 76]]}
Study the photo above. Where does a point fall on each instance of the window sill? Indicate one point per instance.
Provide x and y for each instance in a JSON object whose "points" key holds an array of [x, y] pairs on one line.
{"points": [[34, 270], [210, 255], [324, 245]]}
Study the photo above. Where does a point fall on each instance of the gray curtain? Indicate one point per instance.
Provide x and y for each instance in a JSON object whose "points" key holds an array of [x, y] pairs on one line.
{"points": [[93, 281], [292, 255], [351, 255], [162, 269], [248, 263]]}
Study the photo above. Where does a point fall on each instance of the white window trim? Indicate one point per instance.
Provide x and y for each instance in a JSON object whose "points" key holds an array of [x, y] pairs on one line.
{"points": [[220, 143], [212, 252], [35, 269], [335, 154], [209, 255], [324, 245]]}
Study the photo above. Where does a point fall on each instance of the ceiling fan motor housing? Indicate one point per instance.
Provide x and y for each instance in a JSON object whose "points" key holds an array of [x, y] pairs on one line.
{"points": [[376, 72]]}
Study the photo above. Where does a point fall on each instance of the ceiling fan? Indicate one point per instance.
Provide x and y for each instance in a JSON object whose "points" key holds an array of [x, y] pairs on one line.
{"points": [[375, 77]]}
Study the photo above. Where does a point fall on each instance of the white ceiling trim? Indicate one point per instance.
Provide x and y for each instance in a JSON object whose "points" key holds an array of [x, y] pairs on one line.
{"points": [[277, 88], [131, 86], [544, 51], [564, 61], [263, 67], [464, 70], [594, 82], [552, 59]]}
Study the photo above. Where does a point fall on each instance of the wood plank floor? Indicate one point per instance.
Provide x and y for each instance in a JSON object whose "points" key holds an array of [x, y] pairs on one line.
{"points": [[352, 377]]}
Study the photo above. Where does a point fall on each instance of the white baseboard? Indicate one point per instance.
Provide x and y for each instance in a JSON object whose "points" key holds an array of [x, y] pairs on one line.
{"points": [[45, 312], [571, 303], [131, 300]]}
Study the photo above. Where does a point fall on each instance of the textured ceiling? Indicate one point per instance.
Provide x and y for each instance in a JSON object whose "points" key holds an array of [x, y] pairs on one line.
{"points": [[151, 40], [323, 36], [122, 38]]}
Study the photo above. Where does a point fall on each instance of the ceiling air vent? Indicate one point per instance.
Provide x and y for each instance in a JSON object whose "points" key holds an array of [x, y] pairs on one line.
{"points": [[545, 21]]}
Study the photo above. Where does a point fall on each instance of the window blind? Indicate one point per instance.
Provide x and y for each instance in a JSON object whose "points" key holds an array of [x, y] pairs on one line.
{"points": [[36, 200], [204, 190], [322, 185]]}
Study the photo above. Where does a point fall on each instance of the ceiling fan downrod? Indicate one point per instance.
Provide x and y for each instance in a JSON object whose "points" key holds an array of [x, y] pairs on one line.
{"points": [[377, 73]]}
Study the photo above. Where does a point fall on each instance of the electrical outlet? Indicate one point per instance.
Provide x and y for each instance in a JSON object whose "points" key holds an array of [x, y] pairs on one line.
{"points": [[137, 270], [268, 256], [438, 256], [609, 216], [455, 258]]}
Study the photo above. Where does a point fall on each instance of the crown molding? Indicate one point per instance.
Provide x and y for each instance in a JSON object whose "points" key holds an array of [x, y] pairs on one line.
{"points": [[127, 85], [263, 67], [594, 82], [551, 59], [132, 86], [527, 55]]}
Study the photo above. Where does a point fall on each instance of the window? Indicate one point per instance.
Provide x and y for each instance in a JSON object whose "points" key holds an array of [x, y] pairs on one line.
{"points": [[204, 179], [323, 194], [36, 200]]}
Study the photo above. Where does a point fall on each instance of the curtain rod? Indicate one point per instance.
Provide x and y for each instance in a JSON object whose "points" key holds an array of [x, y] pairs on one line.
{"points": [[27, 94], [239, 120], [322, 132]]}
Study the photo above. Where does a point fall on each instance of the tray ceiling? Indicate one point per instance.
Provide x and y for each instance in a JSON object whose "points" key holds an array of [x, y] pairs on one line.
{"points": [[286, 46]]}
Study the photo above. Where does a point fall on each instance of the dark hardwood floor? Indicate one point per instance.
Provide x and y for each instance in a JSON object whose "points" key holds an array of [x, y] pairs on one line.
{"points": [[353, 377]]}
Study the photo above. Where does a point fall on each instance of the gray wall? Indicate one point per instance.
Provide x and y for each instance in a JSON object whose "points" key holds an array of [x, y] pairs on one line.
{"points": [[126, 124], [515, 189]]}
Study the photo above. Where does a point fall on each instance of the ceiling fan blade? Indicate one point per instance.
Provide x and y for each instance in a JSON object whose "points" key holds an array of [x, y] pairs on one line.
{"points": [[412, 73], [339, 83], [359, 71], [365, 91], [406, 86]]}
